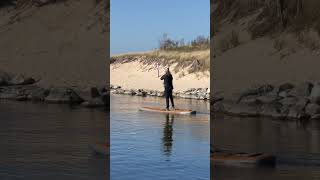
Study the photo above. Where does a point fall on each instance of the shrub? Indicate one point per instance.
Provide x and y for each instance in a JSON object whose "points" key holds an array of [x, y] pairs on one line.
{"points": [[230, 41], [199, 43]]}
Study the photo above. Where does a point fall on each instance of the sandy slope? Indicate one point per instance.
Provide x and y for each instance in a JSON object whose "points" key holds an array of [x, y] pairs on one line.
{"points": [[57, 44], [137, 76], [257, 62]]}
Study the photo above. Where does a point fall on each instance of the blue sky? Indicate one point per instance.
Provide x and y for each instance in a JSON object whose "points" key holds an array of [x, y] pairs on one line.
{"points": [[137, 25]]}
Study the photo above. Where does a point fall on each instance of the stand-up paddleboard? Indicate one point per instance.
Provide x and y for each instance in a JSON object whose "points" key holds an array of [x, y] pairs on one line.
{"points": [[101, 148], [242, 158], [161, 110]]}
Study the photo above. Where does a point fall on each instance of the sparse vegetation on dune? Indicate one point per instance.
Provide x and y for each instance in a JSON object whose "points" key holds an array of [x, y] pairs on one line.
{"points": [[193, 56], [169, 44], [295, 21], [17, 10], [194, 61]]}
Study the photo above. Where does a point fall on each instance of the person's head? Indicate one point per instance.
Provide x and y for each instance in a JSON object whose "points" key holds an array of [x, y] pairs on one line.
{"points": [[168, 71]]}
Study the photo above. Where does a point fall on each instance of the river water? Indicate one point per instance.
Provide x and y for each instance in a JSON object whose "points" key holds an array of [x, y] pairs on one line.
{"points": [[49, 141], [296, 144], [157, 146]]}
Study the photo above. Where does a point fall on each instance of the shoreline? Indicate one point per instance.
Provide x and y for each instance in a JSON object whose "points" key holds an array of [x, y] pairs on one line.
{"points": [[24, 88], [192, 93], [286, 101]]}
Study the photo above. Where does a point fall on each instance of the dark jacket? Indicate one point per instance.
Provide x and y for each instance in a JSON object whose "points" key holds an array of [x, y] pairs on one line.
{"points": [[167, 81]]}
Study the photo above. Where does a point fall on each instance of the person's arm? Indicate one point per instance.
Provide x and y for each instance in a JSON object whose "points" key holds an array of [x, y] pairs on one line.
{"points": [[162, 77]]}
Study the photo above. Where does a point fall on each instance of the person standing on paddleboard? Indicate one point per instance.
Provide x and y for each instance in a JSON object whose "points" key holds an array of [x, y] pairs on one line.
{"points": [[168, 87]]}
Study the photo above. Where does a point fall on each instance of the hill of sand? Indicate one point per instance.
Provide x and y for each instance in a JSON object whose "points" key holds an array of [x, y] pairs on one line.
{"points": [[62, 43], [141, 72], [261, 51]]}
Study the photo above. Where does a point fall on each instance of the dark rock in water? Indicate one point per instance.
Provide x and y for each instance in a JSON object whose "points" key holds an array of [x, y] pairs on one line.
{"points": [[272, 110], [315, 117], [285, 87], [141, 92], [95, 102], [8, 93], [274, 92], [315, 94], [191, 90], [160, 93], [301, 90], [21, 98], [242, 109], [218, 107], [39, 94], [7, 79], [21, 80], [4, 78], [288, 102], [23, 92], [216, 98], [312, 109], [259, 90], [297, 114], [20, 93], [267, 99], [297, 111], [103, 89], [130, 92], [63, 95], [284, 94], [250, 100], [94, 92], [119, 91]]}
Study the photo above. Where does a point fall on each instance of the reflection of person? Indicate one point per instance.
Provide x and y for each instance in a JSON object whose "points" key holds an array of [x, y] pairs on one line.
{"points": [[168, 87], [167, 134]]}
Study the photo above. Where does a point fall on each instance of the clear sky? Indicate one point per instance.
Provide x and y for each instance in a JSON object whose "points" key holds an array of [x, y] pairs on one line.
{"points": [[137, 25]]}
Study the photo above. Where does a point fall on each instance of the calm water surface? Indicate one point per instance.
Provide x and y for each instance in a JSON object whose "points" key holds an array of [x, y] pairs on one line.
{"points": [[297, 145], [157, 146], [48, 141]]}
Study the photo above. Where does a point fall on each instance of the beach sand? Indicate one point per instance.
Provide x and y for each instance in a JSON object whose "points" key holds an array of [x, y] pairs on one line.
{"points": [[59, 43], [135, 75]]}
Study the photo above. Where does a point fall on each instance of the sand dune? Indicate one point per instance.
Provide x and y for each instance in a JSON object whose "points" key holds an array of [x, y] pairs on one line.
{"points": [[256, 63], [135, 75], [63, 44]]}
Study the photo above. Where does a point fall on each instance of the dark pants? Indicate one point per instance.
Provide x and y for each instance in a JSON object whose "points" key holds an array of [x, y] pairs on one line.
{"points": [[168, 95]]}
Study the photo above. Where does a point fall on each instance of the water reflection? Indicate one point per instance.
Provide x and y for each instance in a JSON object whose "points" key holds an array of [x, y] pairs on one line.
{"points": [[167, 134], [50, 141], [158, 146], [295, 143]]}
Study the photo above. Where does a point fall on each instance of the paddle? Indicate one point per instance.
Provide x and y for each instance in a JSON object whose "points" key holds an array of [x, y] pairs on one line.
{"points": [[157, 67]]}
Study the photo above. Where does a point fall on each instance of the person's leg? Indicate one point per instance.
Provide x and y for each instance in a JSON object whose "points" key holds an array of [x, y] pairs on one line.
{"points": [[166, 93], [171, 98]]}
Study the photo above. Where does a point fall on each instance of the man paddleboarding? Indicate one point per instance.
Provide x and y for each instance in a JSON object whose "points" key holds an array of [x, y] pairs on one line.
{"points": [[168, 87]]}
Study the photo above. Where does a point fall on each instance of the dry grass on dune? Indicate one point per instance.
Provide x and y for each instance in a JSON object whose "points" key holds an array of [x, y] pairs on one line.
{"points": [[195, 61]]}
